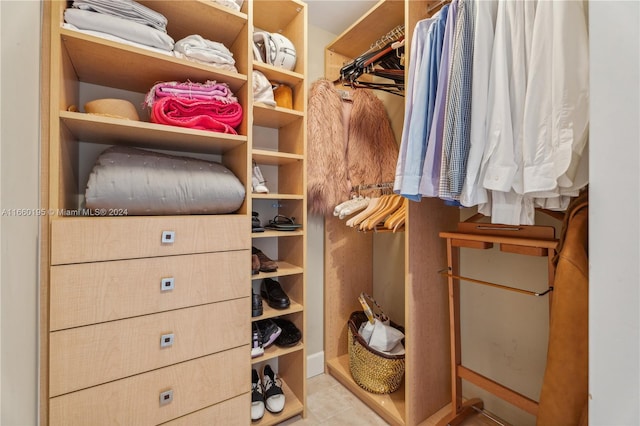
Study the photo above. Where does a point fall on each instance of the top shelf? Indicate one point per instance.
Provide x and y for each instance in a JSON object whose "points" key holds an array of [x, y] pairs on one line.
{"points": [[357, 39]]}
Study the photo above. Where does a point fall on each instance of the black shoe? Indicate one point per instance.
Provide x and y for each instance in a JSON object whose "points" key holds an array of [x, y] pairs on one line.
{"points": [[256, 226], [290, 334], [256, 304], [273, 394], [273, 294], [257, 397], [268, 331]]}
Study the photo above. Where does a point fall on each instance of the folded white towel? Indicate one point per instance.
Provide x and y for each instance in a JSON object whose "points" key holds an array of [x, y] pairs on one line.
{"points": [[206, 51], [86, 20], [126, 9]]}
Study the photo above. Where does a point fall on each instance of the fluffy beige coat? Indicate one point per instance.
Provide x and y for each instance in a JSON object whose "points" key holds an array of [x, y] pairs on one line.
{"points": [[348, 145]]}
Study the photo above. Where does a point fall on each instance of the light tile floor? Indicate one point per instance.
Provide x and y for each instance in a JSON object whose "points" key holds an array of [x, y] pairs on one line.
{"points": [[331, 404]]}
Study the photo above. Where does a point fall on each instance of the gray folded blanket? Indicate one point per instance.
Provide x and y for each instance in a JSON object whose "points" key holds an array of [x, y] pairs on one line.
{"points": [[126, 9], [129, 30], [144, 182]]}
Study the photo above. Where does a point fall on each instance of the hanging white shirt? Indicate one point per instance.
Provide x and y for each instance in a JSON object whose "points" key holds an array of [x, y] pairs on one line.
{"points": [[501, 169], [473, 192], [556, 120]]}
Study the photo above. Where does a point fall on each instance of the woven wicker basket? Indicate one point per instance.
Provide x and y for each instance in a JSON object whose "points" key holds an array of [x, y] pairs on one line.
{"points": [[372, 370]]}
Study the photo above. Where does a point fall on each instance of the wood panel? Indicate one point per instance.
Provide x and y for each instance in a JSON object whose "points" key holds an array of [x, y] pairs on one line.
{"points": [[427, 377], [90, 239], [88, 356], [88, 293], [196, 384], [232, 412]]}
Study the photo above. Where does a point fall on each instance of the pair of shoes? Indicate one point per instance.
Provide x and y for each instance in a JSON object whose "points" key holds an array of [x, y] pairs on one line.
{"points": [[266, 264], [268, 332], [290, 334], [268, 395], [255, 264], [257, 180], [256, 304], [256, 225], [274, 294]]}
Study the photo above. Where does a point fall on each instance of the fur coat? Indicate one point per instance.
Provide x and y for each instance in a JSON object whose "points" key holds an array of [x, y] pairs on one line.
{"points": [[349, 144]]}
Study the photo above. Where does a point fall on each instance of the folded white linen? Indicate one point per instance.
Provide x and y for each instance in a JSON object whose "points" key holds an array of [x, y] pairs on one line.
{"points": [[198, 48], [127, 9], [117, 39], [120, 27]]}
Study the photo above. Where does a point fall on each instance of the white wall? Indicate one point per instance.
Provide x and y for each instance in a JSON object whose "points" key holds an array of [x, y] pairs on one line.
{"points": [[614, 318], [19, 136]]}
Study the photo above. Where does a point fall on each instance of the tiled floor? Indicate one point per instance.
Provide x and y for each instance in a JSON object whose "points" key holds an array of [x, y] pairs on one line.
{"points": [[331, 404]]}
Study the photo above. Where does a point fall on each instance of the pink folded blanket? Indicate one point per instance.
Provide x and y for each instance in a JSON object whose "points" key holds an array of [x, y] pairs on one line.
{"points": [[209, 90], [211, 115]]}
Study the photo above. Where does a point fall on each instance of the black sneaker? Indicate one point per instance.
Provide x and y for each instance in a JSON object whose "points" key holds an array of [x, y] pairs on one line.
{"points": [[269, 331], [273, 395], [257, 397]]}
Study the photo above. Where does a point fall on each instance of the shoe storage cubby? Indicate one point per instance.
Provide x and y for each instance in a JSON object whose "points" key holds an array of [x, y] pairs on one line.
{"points": [[278, 148], [135, 310]]}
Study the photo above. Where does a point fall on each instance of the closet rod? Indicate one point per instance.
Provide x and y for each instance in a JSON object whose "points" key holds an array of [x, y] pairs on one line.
{"points": [[501, 286]]}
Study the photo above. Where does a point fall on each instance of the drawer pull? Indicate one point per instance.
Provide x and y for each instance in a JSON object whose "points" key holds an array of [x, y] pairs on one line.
{"points": [[166, 340], [167, 284], [166, 397], [168, 237]]}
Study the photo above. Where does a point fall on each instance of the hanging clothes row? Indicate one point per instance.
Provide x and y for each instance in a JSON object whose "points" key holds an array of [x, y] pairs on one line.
{"points": [[497, 108], [385, 58]]}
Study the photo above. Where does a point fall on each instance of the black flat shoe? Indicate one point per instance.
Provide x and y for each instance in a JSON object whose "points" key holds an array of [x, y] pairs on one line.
{"points": [[290, 334], [273, 294]]}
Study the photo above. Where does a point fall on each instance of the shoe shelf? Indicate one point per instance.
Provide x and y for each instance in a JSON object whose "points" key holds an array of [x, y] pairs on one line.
{"points": [[284, 269], [269, 312], [274, 158], [292, 407], [115, 131], [277, 234], [273, 352]]}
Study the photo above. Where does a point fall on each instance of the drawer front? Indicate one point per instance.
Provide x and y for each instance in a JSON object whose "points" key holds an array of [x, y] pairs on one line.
{"points": [[136, 400], [88, 356], [88, 293], [233, 412], [89, 239]]}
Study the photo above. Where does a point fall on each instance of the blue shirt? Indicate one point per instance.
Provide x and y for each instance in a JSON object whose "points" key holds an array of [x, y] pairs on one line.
{"points": [[425, 65]]}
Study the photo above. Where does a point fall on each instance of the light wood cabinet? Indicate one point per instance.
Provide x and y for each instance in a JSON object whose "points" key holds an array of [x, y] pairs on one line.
{"points": [[138, 327], [278, 147], [352, 257]]}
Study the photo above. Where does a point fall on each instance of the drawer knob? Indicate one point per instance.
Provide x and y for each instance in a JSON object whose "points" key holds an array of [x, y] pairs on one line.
{"points": [[168, 237], [166, 340], [167, 284], [166, 397]]}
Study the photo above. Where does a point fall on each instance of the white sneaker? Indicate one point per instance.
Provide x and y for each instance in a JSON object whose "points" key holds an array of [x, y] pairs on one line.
{"points": [[257, 180], [257, 397], [274, 397]]}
